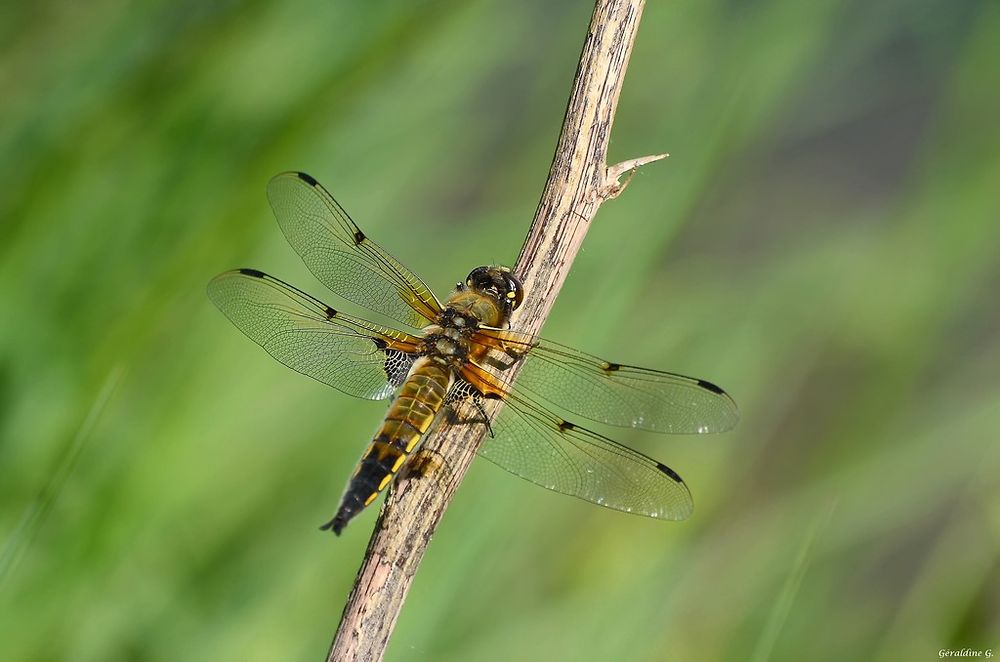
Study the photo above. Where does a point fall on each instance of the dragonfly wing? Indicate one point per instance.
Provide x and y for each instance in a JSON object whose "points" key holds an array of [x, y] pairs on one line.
{"points": [[608, 392], [540, 447], [350, 354], [342, 257]]}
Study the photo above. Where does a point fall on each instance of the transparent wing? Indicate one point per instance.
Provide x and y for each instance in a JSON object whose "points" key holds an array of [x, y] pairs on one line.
{"points": [[608, 392], [342, 257], [352, 355], [540, 447]]}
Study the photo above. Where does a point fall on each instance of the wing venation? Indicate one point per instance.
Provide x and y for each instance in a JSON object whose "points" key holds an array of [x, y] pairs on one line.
{"points": [[350, 354], [607, 392], [342, 257], [564, 457]]}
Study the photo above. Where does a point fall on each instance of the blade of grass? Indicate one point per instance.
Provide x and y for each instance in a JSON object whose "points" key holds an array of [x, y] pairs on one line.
{"points": [[783, 605], [37, 512]]}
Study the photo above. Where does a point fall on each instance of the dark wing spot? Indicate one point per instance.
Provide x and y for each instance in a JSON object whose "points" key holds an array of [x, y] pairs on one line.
{"points": [[252, 272], [492, 396], [670, 472], [307, 179], [330, 313], [359, 236], [709, 386], [611, 367], [565, 425], [379, 343]]}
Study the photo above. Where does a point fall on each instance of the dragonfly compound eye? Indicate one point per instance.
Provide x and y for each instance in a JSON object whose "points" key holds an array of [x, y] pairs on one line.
{"points": [[515, 291], [479, 278]]}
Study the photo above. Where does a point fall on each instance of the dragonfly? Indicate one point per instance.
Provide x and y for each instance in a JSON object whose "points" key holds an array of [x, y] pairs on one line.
{"points": [[445, 360]]}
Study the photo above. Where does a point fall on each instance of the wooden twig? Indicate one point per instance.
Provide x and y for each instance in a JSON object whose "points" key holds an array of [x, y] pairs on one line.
{"points": [[579, 181]]}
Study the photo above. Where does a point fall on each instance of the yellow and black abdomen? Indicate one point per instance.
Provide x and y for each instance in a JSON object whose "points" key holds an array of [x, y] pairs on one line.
{"points": [[410, 415]]}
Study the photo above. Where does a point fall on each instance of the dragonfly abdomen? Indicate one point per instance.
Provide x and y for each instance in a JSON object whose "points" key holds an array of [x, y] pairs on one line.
{"points": [[410, 415]]}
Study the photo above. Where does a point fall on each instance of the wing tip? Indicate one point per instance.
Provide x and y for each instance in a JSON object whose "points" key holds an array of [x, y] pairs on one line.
{"points": [[293, 174], [673, 475], [709, 386], [212, 287], [679, 511], [733, 415], [308, 179]]}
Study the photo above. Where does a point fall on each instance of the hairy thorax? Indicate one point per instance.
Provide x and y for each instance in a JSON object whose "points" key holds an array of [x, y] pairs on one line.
{"points": [[447, 340]]}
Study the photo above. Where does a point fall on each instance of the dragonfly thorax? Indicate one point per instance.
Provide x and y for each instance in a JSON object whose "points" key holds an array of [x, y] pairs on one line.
{"points": [[457, 321], [468, 309], [446, 345]]}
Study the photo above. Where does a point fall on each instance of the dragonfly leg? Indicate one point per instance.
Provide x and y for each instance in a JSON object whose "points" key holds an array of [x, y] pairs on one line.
{"points": [[477, 402], [499, 362], [464, 393]]}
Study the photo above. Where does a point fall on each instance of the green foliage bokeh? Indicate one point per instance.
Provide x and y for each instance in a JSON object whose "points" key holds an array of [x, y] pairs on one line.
{"points": [[824, 242]]}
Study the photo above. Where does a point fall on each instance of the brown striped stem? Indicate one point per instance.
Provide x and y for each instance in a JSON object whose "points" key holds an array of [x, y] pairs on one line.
{"points": [[579, 181]]}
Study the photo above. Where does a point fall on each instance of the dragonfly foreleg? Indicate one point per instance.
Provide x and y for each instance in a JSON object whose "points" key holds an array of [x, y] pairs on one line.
{"points": [[462, 394], [477, 402]]}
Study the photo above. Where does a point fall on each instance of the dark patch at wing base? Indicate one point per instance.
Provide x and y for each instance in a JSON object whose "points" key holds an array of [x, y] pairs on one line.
{"points": [[347, 353]]}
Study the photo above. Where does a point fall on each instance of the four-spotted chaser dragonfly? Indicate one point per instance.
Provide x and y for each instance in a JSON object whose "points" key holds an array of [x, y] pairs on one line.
{"points": [[454, 357]]}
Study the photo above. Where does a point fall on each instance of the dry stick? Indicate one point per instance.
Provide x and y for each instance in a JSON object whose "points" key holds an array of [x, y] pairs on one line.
{"points": [[579, 181]]}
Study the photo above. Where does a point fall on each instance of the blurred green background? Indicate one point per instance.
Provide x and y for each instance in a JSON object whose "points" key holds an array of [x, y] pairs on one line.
{"points": [[824, 242]]}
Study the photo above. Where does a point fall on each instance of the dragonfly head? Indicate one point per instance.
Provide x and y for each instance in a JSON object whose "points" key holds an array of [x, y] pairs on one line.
{"points": [[498, 283]]}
